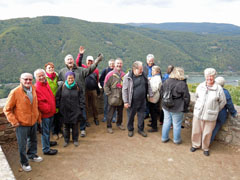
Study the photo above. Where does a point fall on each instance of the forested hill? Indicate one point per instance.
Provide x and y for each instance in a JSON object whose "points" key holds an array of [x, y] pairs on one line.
{"points": [[28, 43], [200, 28]]}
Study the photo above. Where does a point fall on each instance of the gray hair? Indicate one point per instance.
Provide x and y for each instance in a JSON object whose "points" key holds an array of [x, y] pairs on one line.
{"points": [[177, 73], [136, 64], [111, 60], [25, 74], [118, 59], [210, 72], [150, 56], [220, 81], [67, 57], [156, 68], [38, 71]]}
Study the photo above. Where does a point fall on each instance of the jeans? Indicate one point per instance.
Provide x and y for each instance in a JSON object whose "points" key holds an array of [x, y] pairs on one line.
{"points": [[27, 135], [174, 118], [84, 120], [106, 106], [46, 127]]}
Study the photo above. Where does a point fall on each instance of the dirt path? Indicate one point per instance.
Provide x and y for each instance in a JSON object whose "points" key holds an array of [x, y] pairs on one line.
{"points": [[115, 156]]}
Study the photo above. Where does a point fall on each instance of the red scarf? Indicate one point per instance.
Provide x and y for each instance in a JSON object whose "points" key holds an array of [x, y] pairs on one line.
{"points": [[51, 76]]}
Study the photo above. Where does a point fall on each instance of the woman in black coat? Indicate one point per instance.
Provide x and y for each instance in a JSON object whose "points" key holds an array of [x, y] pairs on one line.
{"points": [[70, 101]]}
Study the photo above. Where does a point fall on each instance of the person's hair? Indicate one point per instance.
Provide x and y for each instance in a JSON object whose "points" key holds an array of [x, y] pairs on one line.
{"points": [[67, 57], [210, 72], [38, 71], [156, 68], [177, 73], [136, 64], [170, 69], [220, 81], [25, 74], [111, 60], [50, 64], [69, 73], [118, 59], [150, 56]]}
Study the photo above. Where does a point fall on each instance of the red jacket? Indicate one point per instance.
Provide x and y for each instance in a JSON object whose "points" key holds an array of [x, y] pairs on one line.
{"points": [[46, 99]]}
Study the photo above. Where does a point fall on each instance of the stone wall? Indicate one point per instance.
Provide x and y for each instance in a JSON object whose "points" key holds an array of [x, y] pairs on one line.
{"points": [[230, 133]]}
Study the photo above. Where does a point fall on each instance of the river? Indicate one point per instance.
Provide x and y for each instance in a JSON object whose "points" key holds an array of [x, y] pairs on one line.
{"points": [[230, 80]]}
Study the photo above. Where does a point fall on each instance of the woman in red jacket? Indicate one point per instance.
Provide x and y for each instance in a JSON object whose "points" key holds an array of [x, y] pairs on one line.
{"points": [[47, 107]]}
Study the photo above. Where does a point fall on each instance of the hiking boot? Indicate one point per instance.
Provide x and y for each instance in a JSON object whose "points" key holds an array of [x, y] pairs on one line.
{"points": [[36, 158], [88, 124], [152, 130], [142, 133], [165, 141], [193, 149], [96, 122], [110, 130], [130, 133], [83, 133], [26, 167], [121, 127], [75, 143], [51, 152], [206, 153], [53, 143], [65, 144]]}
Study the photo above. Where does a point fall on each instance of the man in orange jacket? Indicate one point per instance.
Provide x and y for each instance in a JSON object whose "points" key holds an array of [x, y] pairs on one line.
{"points": [[22, 112]]}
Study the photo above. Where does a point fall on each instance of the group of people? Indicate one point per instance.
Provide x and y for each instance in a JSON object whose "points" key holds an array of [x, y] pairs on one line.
{"points": [[60, 103]]}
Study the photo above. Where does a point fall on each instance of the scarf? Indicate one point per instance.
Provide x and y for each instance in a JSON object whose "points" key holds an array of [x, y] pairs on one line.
{"points": [[71, 85], [51, 76]]}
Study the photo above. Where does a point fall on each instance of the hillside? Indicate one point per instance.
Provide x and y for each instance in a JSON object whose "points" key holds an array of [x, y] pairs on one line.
{"points": [[28, 43], [200, 28]]}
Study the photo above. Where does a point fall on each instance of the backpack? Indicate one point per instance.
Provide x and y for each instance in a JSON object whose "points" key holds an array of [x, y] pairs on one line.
{"points": [[91, 82], [167, 98]]}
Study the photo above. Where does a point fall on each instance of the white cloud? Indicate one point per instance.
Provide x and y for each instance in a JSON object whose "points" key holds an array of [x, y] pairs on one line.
{"points": [[123, 11]]}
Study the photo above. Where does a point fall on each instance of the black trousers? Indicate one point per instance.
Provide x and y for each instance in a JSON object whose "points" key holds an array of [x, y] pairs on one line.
{"points": [[139, 109], [111, 110], [75, 133], [57, 124], [155, 113]]}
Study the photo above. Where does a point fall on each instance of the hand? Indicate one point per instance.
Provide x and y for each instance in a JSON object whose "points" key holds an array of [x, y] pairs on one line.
{"points": [[99, 58], [16, 125], [126, 105], [81, 50]]}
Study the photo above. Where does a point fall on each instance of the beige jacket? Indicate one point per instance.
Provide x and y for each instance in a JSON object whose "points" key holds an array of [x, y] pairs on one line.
{"points": [[209, 101]]}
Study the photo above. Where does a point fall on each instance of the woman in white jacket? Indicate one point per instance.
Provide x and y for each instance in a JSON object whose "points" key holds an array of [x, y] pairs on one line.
{"points": [[155, 83], [210, 100]]}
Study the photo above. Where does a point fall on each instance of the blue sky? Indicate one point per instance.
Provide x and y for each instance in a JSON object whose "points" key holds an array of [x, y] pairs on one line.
{"points": [[125, 11]]}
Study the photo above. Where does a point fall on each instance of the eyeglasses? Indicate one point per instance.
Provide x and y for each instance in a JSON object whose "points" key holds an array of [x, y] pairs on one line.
{"points": [[27, 79]]}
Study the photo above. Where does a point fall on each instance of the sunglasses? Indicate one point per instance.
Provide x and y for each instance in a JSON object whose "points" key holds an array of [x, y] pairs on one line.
{"points": [[27, 79]]}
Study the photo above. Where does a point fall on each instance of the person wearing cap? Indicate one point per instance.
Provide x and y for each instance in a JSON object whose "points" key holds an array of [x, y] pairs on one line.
{"points": [[47, 107], [210, 99], [92, 91], [70, 101], [22, 112], [80, 76], [229, 107]]}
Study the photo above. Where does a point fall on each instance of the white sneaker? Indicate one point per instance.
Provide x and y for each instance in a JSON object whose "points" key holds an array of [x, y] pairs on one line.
{"points": [[83, 133], [36, 158], [26, 167]]}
